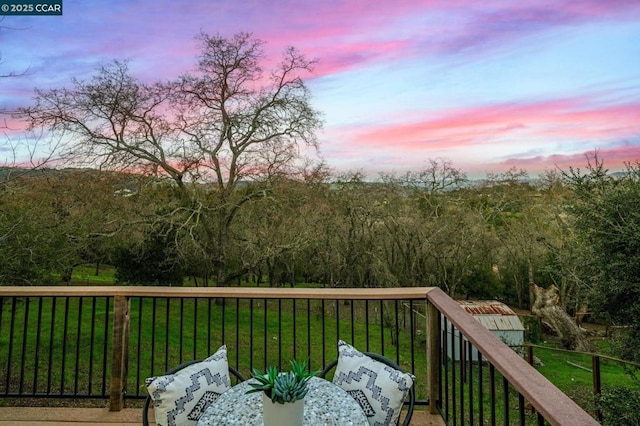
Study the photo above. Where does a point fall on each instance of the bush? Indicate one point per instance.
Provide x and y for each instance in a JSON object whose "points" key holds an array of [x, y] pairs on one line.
{"points": [[151, 263], [533, 329], [619, 406]]}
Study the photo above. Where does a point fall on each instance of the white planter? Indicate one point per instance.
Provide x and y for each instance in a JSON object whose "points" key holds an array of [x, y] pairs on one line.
{"points": [[287, 414]]}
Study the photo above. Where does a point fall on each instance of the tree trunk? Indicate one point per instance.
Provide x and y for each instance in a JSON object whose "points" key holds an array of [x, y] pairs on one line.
{"points": [[545, 306]]}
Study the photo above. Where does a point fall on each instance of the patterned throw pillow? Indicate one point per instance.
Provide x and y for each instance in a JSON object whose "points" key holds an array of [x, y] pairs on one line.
{"points": [[379, 389], [180, 398]]}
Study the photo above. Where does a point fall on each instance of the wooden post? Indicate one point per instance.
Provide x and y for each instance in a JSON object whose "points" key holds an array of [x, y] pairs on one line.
{"points": [[119, 353], [433, 356], [530, 358]]}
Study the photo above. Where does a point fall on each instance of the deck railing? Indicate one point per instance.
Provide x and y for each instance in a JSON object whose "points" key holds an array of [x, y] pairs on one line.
{"points": [[102, 342]]}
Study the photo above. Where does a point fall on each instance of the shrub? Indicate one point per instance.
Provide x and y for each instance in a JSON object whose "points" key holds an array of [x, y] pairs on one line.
{"points": [[619, 406]]}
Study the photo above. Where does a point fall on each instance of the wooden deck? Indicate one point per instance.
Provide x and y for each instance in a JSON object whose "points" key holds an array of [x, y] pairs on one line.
{"points": [[33, 416]]}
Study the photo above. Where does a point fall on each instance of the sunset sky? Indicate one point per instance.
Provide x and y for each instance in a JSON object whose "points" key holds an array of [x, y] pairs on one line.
{"points": [[488, 85]]}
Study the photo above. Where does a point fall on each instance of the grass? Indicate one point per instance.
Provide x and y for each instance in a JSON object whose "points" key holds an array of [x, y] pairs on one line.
{"points": [[567, 370], [573, 374], [86, 275]]}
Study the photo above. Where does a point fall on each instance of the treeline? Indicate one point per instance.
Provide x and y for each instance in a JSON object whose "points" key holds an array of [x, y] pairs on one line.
{"points": [[479, 240], [433, 228], [485, 239]]}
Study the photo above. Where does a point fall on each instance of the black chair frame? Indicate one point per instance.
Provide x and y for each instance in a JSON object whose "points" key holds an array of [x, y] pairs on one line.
{"points": [[387, 361], [147, 401]]}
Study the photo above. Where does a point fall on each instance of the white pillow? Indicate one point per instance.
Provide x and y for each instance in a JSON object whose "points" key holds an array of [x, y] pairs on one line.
{"points": [[182, 397], [379, 389]]}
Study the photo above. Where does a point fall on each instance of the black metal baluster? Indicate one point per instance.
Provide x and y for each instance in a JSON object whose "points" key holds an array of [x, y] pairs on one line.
{"points": [[440, 360], [154, 310], [322, 320], [295, 328], [521, 409], [265, 334], [208, 325], [51, 339], [353, 322], [336, 303], [92, 333], [470, 378], [223, 322], [382, 327], [64, 344], [280, 334], [180, 332], [446, 350], [462, 347], [412, 330], [10, 354], [441, 356], [25, 327], [397, 332], [195, 329], [492, 392], [309, 332], [453, 375], [366, 323], [37, 348], [480, 391], [166, 332], [139, 348], [105, 355], [6, 390], [78, 335], [237, 331], [250, 335], [505, 402]]}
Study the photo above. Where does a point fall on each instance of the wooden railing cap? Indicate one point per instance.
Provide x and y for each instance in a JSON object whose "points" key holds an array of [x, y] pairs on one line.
{"points": [[228, 292]]}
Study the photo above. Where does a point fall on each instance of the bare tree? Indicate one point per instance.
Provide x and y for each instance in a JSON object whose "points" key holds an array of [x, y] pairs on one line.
{"points": [[9, 73], [228, 122], [9, 147], [438, 176], [545, 305]]}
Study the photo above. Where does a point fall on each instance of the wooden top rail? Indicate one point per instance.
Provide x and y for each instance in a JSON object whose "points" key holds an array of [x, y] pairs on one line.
{"points": [[556, 407], [223, 292]]}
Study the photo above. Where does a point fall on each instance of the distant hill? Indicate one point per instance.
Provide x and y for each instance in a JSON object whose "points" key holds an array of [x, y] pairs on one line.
{"points": [[6, 172]]}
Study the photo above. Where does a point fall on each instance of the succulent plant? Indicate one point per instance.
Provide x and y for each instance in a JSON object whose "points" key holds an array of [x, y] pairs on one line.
{"points": [[283, 387]]}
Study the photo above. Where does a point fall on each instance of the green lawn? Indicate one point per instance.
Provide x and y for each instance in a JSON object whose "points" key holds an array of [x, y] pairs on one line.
{"points": [[573, 374], [86, 275]]}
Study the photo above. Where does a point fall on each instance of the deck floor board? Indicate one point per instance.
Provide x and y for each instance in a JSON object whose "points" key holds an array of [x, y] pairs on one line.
{"points": [[57, 416]]}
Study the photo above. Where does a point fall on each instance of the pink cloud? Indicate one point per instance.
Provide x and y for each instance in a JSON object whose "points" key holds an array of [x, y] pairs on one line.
{"points": [[11, 126], [495, 137], [563, 119], [615, 158], [162, 43]]}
